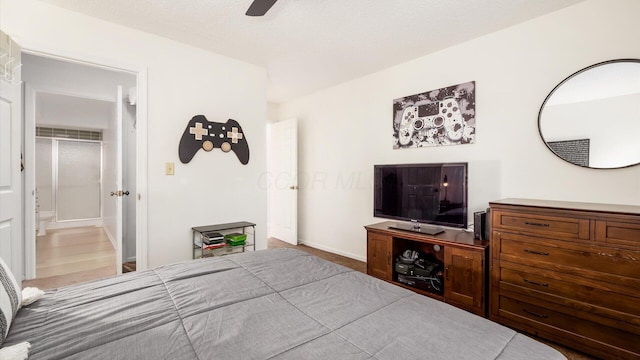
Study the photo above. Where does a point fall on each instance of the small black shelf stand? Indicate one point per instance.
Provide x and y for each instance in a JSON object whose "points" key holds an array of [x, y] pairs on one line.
{"points": [[226, 249]]}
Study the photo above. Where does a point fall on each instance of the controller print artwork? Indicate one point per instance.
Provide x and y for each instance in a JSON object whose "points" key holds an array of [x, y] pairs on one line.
{"points": [[206, 135], [444, 116]]}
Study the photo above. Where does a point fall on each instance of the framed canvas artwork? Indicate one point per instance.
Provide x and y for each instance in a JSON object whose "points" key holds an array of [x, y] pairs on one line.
{"points": [[444, 116]]}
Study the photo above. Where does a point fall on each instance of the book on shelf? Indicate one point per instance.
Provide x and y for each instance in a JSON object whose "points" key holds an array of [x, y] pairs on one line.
{"points": [[212, 237], [213, 246], [235, 239], [200, 244]]}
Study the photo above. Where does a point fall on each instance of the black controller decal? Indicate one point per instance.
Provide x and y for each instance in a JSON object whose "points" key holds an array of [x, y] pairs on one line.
{"points": [[206, 135], [444, 116]]}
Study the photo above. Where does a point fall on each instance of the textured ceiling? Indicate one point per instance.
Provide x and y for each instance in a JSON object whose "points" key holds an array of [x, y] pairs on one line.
{"points": [[307, 45]]}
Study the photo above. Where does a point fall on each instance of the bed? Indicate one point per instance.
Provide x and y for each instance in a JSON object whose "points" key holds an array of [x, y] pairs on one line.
{"points": [[270, 304]]}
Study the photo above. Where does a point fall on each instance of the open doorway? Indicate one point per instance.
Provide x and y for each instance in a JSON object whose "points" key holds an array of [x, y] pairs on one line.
{"points": [[80, 127]]}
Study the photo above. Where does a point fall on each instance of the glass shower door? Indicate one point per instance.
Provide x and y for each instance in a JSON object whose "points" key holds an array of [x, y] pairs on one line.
{"points": [[78, 180]]}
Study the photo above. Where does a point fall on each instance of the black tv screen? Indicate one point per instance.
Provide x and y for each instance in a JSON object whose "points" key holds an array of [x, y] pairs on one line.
{"points": [[426, 193]]}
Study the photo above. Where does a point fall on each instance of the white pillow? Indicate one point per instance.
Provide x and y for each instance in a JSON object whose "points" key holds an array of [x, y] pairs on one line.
{"points": [[10, 299], [15, 352], [31, 295]]}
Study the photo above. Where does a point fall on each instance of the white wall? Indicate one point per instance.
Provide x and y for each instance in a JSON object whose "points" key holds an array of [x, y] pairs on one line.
{"points": [[55, 110], [346, 129], [272, 112], [73, 79], [182, 81]]}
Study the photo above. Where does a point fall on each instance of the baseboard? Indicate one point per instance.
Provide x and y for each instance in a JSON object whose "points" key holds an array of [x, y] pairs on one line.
{"points": [[130, 259], [111, 237], [73, 224], [332, 250]]}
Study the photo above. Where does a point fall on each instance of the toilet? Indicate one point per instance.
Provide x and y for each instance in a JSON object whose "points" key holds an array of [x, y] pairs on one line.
{"points": [[44, 218]]}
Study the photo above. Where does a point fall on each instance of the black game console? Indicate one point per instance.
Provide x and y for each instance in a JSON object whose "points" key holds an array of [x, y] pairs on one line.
{"points": [[423, 272], [405, 269], [431, 284]]}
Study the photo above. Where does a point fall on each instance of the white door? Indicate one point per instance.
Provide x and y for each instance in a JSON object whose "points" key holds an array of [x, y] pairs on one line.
{"points": [[112, 189], [11, 246], [283, 181]]}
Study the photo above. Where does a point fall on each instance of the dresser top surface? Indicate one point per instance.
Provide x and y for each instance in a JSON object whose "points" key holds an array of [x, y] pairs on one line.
{"points": [[570, 205]]}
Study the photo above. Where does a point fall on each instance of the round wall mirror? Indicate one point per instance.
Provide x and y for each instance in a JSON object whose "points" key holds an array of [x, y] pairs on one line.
{"points": [[592, 118]]}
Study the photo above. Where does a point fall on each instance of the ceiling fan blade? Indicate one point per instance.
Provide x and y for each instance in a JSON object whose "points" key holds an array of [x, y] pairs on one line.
{"points": [[260, 7]]}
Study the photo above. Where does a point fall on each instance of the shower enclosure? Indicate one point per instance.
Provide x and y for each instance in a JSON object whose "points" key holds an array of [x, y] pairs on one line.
{"points": [[68, 177]]}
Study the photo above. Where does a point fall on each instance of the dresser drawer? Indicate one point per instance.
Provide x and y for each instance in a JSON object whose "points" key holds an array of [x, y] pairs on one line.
{"points": [[622, 344], [618, 233], [605, 299], [553, 256], [544, 225]]}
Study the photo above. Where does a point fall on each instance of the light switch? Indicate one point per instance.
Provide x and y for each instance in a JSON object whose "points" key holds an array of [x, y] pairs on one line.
{"points": [[169, 168]]}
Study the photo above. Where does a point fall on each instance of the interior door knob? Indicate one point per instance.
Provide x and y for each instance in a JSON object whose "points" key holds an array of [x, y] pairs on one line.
{"points": [[113, 193], [126, 193]]}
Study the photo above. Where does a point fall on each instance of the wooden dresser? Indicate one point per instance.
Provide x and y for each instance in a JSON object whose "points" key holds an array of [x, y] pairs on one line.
{"points": [[568, 272]]}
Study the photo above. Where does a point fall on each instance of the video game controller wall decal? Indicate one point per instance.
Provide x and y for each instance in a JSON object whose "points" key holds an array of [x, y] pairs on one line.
{"points": [[206, 135], [445, 116]]}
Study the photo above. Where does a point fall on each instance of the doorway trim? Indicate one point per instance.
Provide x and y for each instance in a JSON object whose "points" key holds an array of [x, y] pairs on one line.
{"points": [[141, 156]]}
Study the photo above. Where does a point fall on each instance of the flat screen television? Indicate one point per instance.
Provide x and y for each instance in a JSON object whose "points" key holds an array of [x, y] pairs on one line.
{"points": [[422, 193]]}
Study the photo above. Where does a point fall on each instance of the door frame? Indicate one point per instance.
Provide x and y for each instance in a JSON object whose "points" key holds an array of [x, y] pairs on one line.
{"points": [[28, 139]]}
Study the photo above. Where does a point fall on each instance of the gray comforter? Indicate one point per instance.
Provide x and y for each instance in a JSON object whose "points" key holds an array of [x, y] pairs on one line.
{"points": [[272, 304]]}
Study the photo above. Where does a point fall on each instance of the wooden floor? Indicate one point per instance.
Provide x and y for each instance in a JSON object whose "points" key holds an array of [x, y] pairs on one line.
{"points": [[362, 267], [70, 256], [273, 243]]}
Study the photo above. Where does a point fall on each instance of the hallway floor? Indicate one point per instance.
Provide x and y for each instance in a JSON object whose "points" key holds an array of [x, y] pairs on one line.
{"points": [[70, 256]]}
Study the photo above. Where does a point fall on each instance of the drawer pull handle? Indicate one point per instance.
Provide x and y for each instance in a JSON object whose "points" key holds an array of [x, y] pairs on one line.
{"points": [[543, 316], [534, 283], [536, 252], [536, 224]]}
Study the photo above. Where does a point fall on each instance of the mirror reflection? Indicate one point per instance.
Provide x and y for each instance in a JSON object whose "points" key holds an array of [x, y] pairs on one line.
{"points": [[592, 118]]}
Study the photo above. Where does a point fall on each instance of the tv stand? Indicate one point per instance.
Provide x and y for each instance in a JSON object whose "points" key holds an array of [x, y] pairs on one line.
{"points": [[463, 258]]}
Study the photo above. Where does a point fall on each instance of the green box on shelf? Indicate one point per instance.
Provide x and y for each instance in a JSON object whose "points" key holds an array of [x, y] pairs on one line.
{"points": [[235, 239]]}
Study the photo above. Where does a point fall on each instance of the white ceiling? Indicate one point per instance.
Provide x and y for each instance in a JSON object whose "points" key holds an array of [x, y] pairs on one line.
{"points": [[307, 45]]}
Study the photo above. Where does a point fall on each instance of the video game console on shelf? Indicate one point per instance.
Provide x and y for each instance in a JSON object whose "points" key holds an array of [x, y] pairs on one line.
{"points": [[428, 119], [204, 134]]}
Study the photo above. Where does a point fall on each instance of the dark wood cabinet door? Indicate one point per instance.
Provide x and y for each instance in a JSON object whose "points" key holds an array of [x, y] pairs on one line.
{"points": [[379, 256], [464, 279]]}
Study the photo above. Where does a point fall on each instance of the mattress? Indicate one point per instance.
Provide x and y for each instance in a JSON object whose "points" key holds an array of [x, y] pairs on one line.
{"points": [[270, 304]]}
